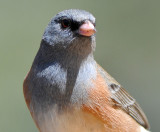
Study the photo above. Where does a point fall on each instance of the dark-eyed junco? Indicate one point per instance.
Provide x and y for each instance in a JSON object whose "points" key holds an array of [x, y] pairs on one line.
{"points": [[67, 91]]}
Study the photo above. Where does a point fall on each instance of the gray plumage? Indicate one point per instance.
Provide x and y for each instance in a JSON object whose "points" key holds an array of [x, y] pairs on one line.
{"points": [[63, 72], [63, 63]]}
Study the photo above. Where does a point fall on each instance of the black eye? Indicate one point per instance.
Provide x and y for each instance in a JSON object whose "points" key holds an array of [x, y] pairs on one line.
{"points": [[65, 23]]}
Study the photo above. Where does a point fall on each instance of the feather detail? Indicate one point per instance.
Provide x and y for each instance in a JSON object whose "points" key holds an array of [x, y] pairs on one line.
{"points": [[123, 100]]}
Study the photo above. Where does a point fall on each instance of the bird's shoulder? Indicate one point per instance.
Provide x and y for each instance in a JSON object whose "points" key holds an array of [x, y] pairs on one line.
{"points": [[109, 99]]}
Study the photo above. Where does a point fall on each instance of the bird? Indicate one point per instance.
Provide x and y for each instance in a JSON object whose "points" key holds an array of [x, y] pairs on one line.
{"points": [[66, 90]]}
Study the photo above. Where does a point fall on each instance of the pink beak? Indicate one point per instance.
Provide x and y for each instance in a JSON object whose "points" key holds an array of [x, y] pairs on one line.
{"points": [[87, 29]]}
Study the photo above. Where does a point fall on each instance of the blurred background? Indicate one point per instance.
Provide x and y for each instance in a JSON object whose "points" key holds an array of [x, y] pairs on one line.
{"points": [[128, 47]]}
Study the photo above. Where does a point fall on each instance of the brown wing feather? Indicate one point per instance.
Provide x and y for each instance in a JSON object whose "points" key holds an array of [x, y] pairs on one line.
{"points": [[121, 98]]}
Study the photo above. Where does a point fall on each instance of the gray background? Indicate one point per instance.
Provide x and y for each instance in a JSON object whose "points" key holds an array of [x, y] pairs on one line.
{"points": [[128, 46]]}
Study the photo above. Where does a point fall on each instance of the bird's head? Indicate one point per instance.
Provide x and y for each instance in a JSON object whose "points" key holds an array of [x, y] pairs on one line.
{"points": [[71, 29]]}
